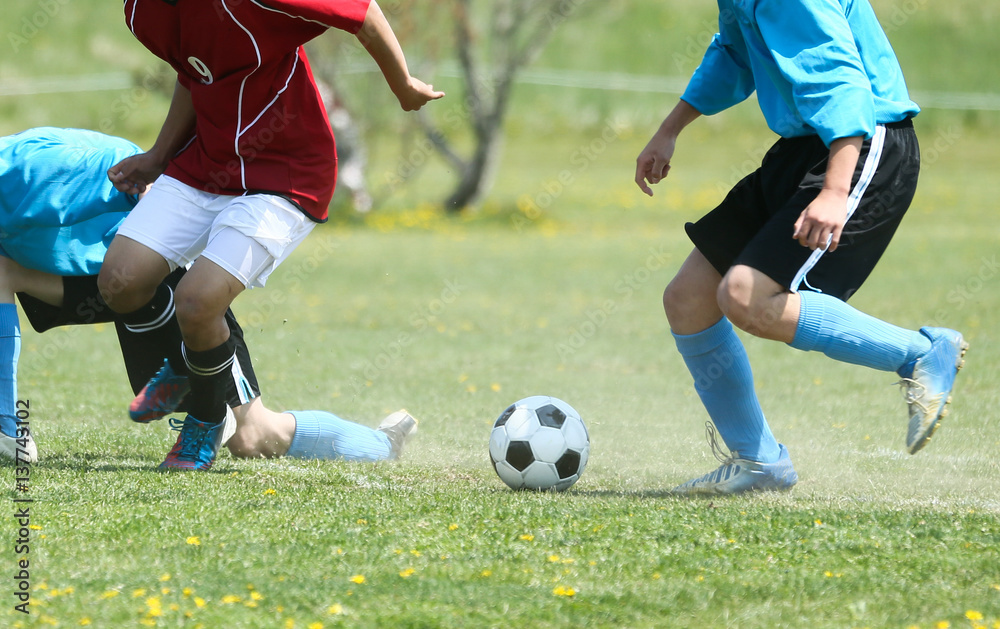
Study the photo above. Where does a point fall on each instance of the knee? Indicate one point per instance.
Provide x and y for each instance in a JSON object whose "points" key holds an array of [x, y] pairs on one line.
{"points": [[680, 302], [195, 310], [743, 303], [243, 445], [122, 290]]}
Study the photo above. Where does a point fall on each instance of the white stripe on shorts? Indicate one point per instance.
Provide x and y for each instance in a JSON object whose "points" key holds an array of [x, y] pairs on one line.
{"points": [[853, 201]]}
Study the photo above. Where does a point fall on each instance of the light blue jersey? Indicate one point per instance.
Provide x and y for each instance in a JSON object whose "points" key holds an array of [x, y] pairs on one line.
{"points": [[58, 211], [820, 67]]}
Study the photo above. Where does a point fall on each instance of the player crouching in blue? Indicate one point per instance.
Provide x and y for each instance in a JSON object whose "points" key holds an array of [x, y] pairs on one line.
{"points": [[786, 248], [58, 213]]}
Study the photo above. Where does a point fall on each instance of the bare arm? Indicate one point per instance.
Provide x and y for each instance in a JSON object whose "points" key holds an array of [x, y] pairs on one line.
{"points": [[378, 39], [653, 162], [133, 174], [824, 218]]}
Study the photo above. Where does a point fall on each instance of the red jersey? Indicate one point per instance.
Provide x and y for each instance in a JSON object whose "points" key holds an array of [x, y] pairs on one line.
{"points": [[261, 125]]}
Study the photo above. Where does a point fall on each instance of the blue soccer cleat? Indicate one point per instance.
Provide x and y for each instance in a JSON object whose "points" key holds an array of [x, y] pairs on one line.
{"points": [[737, 476], [927, 383], [198, 444], [160, 397]]}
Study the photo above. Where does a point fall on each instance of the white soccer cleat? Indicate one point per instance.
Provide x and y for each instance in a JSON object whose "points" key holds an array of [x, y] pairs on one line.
{"points": [[738, 476], [20, 450], [399, 427]]}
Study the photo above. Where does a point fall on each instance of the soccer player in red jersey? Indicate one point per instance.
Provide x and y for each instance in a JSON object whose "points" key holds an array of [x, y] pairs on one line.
{"points": [[248, 166]]}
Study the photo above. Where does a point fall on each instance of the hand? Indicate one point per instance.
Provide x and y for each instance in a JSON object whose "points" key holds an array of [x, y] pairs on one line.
{"points": [[133, 174], [653, 162], [415, 94], [822, 220]]}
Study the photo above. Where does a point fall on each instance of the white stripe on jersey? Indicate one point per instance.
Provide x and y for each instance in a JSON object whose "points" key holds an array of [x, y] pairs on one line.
{"points": [[295, 65], [297, 17], [239, 108], [131, 19], [853, 201]]}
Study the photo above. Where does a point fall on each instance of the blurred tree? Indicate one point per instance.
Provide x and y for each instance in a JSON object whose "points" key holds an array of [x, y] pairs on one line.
{"points": [[493, 41], [490, 42]]}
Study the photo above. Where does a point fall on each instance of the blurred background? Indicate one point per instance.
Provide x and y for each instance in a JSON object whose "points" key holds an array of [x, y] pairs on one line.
{"points": [[548, 102]]}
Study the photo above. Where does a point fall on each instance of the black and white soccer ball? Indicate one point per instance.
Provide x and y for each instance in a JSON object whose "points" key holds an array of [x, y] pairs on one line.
{"points": [[539, 442]]}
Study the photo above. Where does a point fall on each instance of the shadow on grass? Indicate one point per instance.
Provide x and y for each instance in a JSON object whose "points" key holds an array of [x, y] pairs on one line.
{"points": [[84, 462]]}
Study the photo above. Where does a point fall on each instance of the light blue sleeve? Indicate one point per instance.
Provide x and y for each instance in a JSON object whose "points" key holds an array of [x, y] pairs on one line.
{"points": [[724, 77], [815, 51]]}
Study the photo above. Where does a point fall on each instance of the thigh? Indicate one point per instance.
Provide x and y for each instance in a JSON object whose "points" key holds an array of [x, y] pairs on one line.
{"points": [[174, 220], [254, 234]]}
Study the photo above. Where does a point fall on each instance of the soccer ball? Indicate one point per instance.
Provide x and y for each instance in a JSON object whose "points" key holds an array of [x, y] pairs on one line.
{"points": [[539, 442]]}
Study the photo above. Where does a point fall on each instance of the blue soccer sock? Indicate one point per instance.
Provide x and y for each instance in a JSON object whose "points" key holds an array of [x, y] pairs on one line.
{"points": [[827, 324], [322, 435], [10, 351], [718, 362]]}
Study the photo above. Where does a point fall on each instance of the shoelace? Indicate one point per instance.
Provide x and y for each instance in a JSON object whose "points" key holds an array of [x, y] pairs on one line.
{"points": [[191, 446], [726, 458], [913, 392]]}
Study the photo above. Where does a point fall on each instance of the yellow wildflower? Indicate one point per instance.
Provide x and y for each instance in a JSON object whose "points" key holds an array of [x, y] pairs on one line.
{"points": [[562, 590]]}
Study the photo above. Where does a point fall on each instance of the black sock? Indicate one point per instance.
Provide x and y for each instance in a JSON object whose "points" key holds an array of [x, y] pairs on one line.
{"points": [[210, 371], [153, 330]]}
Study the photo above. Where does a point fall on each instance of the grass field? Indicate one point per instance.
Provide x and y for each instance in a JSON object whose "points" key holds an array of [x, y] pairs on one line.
{"points": [[552, 287]]}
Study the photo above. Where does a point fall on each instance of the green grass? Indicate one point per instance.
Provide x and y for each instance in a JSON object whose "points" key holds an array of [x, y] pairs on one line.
{"points": [[553, 287], [454, 319]]}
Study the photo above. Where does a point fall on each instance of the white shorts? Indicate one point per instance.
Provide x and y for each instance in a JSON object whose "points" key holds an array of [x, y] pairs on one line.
{"points": [[248, 236]]}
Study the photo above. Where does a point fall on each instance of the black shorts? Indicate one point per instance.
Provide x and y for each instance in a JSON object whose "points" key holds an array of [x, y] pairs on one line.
{"points": [[82, 304], [753, 225]]}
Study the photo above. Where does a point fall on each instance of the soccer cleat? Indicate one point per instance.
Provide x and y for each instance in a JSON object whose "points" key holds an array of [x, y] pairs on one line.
{"points": [[197, 445], [399, 427], [737, 476], [160, 397], [18, 449], [927, 383]]}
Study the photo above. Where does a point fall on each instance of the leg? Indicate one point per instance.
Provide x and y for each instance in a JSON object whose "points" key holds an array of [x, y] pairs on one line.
{"points": [[130, 275], [262, 432], [717, 361], [928, 360], [203, 297], [689, 300], [15, 442]]}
